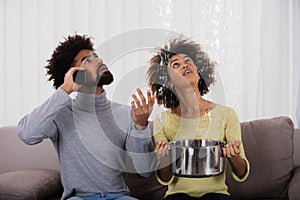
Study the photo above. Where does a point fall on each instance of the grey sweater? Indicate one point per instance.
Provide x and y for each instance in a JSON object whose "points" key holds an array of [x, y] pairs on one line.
{"points": [[95, 140]]}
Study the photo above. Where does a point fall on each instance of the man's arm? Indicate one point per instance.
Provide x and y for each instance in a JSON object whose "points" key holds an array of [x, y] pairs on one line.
{"points": [[139, 142], [139, 146], [39, 124]]}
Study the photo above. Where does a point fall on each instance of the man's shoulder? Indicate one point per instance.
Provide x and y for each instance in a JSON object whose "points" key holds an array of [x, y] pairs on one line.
{"points": [[119, 106], [65, 110], [121, 111]]}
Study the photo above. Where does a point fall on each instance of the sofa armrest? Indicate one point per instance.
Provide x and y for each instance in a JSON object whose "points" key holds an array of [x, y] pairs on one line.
{"points": [[294, 185], [297, 147]]}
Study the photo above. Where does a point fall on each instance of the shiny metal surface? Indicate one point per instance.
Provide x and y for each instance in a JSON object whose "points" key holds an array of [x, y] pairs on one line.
{"points": [[197, 158]]}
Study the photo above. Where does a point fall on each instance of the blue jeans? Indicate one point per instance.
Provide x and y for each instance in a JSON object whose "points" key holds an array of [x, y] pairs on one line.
{"points": [[103, 196], [208, 196]]}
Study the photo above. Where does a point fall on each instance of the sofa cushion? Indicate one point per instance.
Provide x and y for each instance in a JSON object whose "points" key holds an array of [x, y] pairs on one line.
{"points": [[268, 146], [29, 184]]}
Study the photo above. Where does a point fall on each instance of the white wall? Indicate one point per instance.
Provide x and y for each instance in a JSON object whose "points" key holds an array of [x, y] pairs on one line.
{"points": [[253, 41], [31, 29]]}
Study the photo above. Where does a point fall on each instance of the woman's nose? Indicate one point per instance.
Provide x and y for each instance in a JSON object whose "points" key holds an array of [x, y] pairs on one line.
{"points": [[185, 66]]}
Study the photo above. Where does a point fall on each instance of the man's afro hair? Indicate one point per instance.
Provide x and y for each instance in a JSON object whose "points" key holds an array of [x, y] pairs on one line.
{"points": [[62, 58]]}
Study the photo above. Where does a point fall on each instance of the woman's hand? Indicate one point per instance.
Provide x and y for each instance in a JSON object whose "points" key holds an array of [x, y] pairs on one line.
{"points": [[161, 148], [232, 149], [142, 108]]}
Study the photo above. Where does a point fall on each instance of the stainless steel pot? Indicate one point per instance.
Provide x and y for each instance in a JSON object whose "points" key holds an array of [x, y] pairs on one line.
{"points": [[197, 158]]}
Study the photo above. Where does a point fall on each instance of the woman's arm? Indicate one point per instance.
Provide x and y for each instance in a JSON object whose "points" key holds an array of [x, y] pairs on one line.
{"points": [[234, 150], [238, 164], [163, 169]]}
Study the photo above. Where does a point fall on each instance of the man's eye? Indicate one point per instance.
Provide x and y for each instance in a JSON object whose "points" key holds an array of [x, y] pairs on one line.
{"points": [[86, 61], [189, 61]]}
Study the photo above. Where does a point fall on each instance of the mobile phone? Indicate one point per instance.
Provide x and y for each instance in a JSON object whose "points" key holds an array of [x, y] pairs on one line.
{"points": [[79, 77]]}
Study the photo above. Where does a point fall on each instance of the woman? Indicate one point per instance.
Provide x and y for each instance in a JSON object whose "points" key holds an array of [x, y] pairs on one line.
{"points": [[180, 74]]}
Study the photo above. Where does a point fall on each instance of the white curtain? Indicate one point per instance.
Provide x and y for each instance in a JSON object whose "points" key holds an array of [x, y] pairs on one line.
{"points": [[271, 62], [254, 42], [296, 58]]}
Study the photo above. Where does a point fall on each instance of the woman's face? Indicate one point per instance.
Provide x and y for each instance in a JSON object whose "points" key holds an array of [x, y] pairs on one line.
{"points": [[182, 71]]}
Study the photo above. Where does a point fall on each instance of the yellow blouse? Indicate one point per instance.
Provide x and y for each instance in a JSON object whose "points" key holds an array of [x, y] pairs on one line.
{"points": [[221, 123]]}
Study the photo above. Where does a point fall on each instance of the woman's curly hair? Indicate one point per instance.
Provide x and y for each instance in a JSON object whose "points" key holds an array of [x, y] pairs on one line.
{"points": [[62, 58], [159, 80]]}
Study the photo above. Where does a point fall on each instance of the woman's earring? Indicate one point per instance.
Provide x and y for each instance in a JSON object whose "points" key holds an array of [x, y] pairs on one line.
{"points": [[199, 75], [202, 86], [171, 85]]}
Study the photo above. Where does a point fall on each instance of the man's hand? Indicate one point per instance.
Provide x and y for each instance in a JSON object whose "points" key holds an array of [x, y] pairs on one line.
{"points": [[141, 108], [69, 85]]}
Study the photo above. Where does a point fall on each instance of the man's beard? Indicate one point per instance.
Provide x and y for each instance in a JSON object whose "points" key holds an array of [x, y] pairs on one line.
{"points": [[105, 79]]}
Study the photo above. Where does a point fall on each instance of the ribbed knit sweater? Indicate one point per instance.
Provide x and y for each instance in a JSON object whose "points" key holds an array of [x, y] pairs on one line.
{"points": [[221, 123], [95, 140]]}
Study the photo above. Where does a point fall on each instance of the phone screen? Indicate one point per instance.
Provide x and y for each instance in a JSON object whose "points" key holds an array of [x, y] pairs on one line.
{"points": [[79, 77]]}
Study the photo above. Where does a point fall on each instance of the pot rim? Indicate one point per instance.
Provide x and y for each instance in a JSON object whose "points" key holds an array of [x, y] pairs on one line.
{"points": [[188, 143]]}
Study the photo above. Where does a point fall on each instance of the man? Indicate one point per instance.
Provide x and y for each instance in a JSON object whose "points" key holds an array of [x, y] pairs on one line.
{"points": [[94, 137]]}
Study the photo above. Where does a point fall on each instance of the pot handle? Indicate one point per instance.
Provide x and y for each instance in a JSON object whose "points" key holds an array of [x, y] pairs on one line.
{"points": [[222, 146]]}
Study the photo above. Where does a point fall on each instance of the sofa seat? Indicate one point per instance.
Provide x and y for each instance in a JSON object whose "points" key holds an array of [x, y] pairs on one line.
{"points": [[272, 147]]}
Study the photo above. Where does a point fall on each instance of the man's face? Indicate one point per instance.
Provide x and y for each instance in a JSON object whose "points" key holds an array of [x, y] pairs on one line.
{"points": [[97, 73]]}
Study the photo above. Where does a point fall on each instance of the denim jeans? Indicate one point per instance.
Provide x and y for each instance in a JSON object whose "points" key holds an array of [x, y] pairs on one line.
{"points": [[208, 196], [103, 196]]}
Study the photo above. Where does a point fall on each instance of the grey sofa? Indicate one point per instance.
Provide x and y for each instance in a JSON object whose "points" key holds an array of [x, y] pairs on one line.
{"points": [[272, 147]]}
